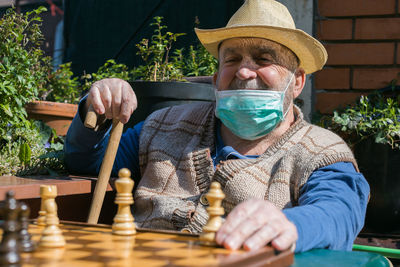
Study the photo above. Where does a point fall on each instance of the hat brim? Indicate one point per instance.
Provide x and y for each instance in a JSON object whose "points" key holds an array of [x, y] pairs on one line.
{"points": [[311, 52]]}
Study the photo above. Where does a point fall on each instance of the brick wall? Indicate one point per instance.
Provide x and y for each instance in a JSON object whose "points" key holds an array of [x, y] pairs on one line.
{"points": [[362, 38]]}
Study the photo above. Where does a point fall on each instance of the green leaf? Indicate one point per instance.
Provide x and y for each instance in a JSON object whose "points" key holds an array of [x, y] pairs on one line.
{"points": [[380, 140], [37, 10], [24, 153], [6, 109], [45, 132]]}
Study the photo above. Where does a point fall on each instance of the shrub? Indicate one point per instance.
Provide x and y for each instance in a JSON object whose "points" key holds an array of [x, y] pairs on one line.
{"points": [[23, 68]]}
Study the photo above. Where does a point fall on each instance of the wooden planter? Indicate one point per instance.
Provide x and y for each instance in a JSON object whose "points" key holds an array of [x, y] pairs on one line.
{"points": [[56, 115]]}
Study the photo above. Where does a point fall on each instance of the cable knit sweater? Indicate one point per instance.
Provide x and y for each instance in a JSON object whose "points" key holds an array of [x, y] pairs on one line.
{"points": [[176, 167]]}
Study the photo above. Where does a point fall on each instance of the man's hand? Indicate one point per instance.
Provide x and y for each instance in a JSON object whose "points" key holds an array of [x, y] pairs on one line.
{"points": [[112, 97], [255, 223]]}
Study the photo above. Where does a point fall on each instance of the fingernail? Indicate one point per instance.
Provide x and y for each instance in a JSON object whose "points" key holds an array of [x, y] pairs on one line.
{"points": [[232, 244], [249, 245], [278, 243]]}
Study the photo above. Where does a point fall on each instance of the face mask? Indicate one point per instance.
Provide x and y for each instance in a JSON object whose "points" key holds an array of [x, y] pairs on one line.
{"points": [[251, 114]]}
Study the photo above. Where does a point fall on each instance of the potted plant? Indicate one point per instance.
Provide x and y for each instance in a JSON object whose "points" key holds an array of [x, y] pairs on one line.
{"points": [[170, 77], [27, 74], [57, 100], [372, 129]]}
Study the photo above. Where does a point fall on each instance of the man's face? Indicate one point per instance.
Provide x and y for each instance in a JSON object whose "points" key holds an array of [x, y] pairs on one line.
{"points": [[253, 63]]}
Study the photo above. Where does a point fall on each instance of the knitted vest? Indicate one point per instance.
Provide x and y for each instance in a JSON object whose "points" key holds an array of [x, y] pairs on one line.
{"points": [[176, 167]]}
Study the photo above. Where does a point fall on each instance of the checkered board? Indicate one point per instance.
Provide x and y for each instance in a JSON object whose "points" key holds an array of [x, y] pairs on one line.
{"points": [[95, 245]]}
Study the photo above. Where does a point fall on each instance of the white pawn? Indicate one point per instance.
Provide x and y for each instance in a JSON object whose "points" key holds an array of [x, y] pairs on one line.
{"points": [[41, 220], [215, 211], [123, 220], [51, 236]]}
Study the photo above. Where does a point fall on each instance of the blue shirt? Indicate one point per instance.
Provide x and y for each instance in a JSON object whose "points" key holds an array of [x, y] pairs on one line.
{"points": [[332, 203]]}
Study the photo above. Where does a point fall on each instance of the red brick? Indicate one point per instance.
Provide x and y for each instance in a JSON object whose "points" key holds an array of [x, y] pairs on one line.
{"points": [[360, 54], [374, 78], [332, 79], [338, 29], [326, 103], [382, 28], [338, 8]]}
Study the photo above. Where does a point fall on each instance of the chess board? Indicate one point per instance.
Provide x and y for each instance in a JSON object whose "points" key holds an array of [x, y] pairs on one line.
{"points": [[95, 245]]}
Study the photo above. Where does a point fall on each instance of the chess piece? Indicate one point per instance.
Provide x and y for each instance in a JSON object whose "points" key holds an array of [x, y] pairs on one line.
{"points": [[41, 220], [215, 211], [51, 236], [26, 243], [123, 220], [9, 246]]}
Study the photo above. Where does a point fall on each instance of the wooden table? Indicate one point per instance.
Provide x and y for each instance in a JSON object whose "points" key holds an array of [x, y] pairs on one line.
{"points": [[74, 195]]}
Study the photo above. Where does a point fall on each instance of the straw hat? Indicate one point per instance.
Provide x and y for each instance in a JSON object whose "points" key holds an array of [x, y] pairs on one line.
{"points": [[270, 20]]}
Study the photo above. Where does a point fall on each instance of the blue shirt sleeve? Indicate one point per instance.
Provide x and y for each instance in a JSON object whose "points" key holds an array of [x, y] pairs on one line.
{"points": [[84, 149], [331, 209]]}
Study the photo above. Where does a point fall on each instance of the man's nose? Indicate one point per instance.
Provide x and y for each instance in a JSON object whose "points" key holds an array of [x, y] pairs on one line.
{"points": [[246, 72]]}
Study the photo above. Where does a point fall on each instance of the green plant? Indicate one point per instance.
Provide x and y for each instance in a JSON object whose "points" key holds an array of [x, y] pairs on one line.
{"points": [[62, 86], [374, 116], [23, 68], [197, 61], [110, 69], [25, 73], [155, 54], [26, 147], [34, 149], [161, 63]]}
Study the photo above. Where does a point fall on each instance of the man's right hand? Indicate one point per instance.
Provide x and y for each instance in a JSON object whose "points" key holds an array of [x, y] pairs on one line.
{"points": [[112, 97]]}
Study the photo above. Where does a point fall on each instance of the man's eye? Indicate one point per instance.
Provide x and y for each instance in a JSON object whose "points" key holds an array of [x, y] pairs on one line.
{"points": [[230, 60], [264, 59]]}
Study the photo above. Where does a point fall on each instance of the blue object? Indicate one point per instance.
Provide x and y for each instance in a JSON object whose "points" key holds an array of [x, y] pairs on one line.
{"points": [[332, 258]]}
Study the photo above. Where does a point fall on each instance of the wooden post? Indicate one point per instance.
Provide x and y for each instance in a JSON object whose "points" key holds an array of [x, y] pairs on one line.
{"points": [[106, 166]]}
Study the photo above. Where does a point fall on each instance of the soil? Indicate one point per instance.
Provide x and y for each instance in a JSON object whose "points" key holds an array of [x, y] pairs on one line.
{"points": [[387, 241]]}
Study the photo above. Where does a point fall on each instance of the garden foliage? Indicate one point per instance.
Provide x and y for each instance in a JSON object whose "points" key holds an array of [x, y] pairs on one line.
{"points": [[374, 116], [162, 63], [26, 74]]}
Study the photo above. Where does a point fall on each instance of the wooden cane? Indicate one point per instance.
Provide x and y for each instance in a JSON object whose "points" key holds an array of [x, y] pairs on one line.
{"points": [[106, 165]]}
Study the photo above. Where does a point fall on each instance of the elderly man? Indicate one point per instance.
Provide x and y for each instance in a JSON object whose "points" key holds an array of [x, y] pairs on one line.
{"points": [[287, 182]]}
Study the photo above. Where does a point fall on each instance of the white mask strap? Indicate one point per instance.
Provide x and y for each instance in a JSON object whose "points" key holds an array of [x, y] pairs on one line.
{"points": [[284, 94]]}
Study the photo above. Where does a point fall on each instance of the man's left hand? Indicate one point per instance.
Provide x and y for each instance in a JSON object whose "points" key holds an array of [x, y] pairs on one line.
{"points": [[255, 223]]}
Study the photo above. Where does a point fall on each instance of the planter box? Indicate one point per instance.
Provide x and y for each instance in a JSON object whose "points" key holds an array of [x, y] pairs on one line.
{"points": [[56, 115], [380, 165], [156, 95]]}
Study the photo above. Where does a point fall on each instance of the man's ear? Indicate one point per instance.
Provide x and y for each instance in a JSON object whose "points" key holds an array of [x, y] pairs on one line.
{"points": [[215, 77], [300, 80]]}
